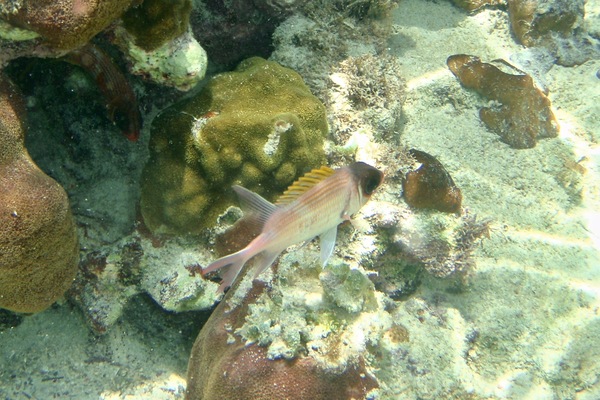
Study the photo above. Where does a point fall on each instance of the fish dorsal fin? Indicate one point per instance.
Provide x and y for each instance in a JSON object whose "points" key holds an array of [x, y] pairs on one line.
{"points": [[256, 209], [303, 184]]}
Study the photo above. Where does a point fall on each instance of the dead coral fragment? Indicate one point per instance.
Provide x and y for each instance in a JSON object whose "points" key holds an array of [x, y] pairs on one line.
{"points": [[523, 114], [430, 185]]}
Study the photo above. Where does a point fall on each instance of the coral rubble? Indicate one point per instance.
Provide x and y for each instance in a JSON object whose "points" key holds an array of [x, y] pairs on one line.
{"points": [[522, 112], [258, 126], [39, 250]]}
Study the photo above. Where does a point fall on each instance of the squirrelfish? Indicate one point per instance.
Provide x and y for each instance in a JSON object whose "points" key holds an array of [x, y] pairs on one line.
{"points": [[313, 206]]}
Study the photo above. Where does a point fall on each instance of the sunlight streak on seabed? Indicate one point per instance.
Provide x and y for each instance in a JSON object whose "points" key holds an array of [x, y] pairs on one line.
{"points": [[427, 79]]}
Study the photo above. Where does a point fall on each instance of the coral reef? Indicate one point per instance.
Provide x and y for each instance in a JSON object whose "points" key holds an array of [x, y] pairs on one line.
{"points": [[325, 33], [65, 24], [430, 185], [38, 242], [522, 113], [366, 94], [259, 127]]}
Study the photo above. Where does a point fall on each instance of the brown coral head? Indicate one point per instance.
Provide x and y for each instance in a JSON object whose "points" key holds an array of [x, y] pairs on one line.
{"points": [[247, 373], [38, 241], [430, 185]]}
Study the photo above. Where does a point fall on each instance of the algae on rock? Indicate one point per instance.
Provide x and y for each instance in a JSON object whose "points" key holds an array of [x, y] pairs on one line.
{"points": [[258, 126]]}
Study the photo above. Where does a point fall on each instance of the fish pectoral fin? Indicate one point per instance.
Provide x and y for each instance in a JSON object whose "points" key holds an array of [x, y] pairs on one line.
{"points": [[254, 205], [327, 244]]}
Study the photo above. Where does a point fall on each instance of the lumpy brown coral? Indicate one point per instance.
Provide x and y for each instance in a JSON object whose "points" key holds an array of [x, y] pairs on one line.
{"points": [[38, 241], [533, 21], [522, 113]]}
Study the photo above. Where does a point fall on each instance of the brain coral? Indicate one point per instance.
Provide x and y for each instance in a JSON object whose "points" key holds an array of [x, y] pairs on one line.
{"points": [[38, 241], [259, 127]]}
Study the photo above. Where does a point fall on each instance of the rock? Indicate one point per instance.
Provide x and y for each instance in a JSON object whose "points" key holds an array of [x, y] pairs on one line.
{"points": [[223, 366], [535, 21], [39, 250]]}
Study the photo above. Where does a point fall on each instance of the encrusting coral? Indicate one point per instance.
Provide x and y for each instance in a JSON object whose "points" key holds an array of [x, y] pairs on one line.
{"points": [[522, 112], [259, 127], [38, 242]]}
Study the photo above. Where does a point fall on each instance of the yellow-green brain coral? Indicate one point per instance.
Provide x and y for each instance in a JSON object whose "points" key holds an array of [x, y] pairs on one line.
{"points": [[258, 126]]}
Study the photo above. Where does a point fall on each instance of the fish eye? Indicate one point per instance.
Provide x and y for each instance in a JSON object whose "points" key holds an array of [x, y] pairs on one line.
{"points": [[371, 182]]}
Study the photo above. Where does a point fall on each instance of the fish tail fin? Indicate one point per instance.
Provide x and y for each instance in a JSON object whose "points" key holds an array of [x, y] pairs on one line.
{"points": [[233, 264]]}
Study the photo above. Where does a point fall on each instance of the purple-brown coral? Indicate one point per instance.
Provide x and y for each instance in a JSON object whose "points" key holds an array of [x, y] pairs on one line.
{"points": [[222, 366]]}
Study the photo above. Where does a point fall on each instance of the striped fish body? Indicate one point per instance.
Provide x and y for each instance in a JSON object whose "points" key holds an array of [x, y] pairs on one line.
{"points": [[324, 206], [313, 206]]}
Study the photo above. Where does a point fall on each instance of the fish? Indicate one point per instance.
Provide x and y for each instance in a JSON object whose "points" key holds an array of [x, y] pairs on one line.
{"points": [[312, 206], [121, 103]]}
